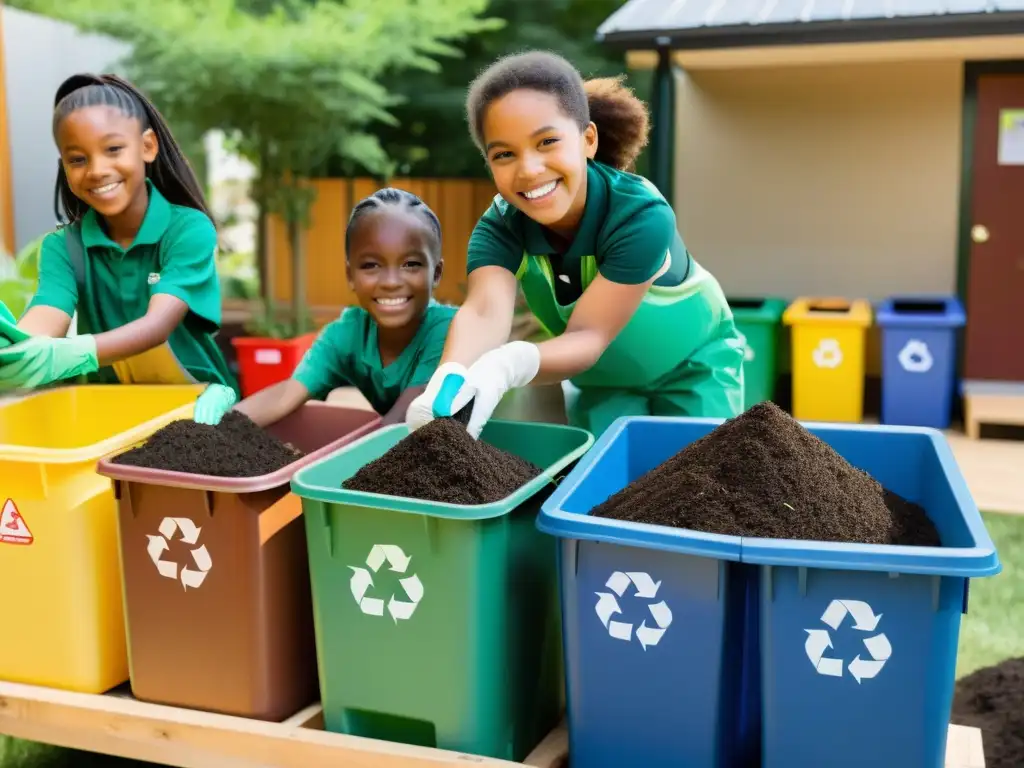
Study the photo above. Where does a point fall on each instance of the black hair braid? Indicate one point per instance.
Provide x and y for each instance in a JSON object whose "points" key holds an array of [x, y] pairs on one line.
{"points": [[170, 173], [392, 196]]}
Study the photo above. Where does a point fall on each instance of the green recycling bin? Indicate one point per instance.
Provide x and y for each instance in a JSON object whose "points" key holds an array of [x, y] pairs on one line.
{"points": [[759, 321], [438, 624]]}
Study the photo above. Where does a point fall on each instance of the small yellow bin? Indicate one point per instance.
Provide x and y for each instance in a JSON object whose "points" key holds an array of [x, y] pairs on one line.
{"points": [[828, 342], [63, 621]]}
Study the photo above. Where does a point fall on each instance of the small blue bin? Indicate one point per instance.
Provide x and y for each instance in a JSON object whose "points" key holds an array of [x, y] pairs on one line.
{"points": [[652, 619], [847, 657], [919, 358]]}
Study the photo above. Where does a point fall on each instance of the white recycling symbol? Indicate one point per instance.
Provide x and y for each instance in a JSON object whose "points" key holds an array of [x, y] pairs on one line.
{"points": [[647, 588], [362, 580], [828, 354], [190, 577], [915, 357], [877, 646]]}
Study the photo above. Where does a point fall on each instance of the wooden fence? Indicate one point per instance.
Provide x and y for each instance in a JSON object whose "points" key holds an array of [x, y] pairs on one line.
{"points": [[458, 204]]}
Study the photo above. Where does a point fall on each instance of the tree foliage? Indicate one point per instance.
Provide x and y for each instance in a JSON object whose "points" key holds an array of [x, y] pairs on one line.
{"points": [[431, 136], [294, 82]]}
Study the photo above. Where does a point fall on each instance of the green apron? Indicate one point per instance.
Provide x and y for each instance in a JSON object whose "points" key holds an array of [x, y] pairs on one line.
{"points": [[679, 355]]}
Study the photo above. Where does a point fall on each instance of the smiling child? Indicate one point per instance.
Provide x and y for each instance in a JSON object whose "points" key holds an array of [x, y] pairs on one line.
{"points": [[389, 346]]}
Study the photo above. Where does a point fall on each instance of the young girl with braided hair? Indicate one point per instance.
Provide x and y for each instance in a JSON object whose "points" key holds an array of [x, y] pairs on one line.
{"points": [[135, 256], [387, 347]]}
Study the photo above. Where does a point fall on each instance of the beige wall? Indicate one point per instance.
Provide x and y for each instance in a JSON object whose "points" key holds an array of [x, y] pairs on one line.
{"points": [[822, 179]]}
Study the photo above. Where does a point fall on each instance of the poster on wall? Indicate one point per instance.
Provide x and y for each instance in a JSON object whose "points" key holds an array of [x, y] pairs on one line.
{"points": [[1011, 137]]}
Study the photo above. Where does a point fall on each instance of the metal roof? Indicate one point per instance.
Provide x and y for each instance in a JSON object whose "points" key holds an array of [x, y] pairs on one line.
{"points": [[704, 23]]}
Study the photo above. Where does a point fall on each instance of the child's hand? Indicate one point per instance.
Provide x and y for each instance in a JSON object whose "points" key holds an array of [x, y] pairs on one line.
{"points": [[213, 403], [41, 360], [444, 396], [509, 366]]}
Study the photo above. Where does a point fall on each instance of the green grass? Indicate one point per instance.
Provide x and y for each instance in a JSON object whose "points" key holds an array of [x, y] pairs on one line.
{"points": [[992, 630]]}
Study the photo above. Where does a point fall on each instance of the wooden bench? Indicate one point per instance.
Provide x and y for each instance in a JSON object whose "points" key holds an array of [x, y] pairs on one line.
{"points": [[117, 724]]}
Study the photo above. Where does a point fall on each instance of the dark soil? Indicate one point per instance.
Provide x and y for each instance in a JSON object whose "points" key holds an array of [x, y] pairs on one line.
{"points": [[762, 474], [442, 462], [992, 699], [236, 447]]}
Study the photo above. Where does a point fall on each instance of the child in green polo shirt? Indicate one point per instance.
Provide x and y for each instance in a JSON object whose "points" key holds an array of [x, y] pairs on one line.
{"points": [[135, 259], [638, 325], [389, 346]]}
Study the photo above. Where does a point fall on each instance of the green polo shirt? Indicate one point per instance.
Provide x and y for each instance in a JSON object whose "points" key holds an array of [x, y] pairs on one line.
{"points": [[173, 253], [346, 353], [628, 232]]}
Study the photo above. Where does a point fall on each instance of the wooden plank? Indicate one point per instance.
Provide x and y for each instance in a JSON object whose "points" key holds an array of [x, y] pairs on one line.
{"points": [[116, 724], [553, 752], [191, 739], [963, 748]]}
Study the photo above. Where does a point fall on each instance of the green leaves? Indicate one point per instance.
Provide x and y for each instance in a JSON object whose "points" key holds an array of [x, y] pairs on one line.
{"points": [[298, 81]]}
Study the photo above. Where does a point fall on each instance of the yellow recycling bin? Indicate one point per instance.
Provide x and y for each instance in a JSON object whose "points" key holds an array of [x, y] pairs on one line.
{"points": [[828, 342], [63, 621]]}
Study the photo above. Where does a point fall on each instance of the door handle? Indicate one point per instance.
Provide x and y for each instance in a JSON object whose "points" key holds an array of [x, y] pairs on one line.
{"points": [[979, 233]]}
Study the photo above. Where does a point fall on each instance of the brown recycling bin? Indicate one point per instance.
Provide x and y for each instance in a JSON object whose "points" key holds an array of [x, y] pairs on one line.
{"points": [[216, 578]]}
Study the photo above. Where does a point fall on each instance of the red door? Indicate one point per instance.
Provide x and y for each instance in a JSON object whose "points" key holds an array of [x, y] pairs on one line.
{"points": [[994, 335]]}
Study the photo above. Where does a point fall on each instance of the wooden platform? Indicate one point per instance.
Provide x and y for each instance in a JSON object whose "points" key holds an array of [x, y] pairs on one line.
{"points": [[117, 724], [994, 403]]}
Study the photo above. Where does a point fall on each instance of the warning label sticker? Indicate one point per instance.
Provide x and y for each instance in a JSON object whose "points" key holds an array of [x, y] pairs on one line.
{"points": [[13, 529]]}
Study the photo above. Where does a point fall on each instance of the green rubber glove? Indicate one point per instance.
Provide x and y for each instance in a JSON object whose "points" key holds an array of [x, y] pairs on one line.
{"points": [[41, 360], [9, 331], [211, 406]]}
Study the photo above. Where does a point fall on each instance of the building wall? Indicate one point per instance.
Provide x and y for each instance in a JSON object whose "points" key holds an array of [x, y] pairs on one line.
{"points": [[39, 54], [826, 180]]}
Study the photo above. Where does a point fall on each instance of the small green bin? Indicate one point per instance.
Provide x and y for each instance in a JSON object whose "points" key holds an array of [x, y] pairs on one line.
{"points": [[760, 321], [438, 624]]}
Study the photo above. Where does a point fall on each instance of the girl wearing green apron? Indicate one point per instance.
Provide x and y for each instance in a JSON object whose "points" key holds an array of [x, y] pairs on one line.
{"points": [[135, 258], [638, 326]]}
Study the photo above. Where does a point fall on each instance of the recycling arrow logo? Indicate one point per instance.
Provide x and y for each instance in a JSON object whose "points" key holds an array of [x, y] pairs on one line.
{"points": [[362, 580], [190, 577], [819, 641], [828, 354], [646, 588], [915, 357]]}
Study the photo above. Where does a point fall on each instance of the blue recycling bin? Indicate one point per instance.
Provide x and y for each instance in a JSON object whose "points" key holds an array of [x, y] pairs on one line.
{"points": [[919, 358], [859, 642], [845, 657], [657, 671]]}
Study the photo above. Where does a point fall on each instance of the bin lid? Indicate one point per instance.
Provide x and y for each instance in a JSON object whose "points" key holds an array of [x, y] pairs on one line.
{"points": [[828, 310], [921, 311]]}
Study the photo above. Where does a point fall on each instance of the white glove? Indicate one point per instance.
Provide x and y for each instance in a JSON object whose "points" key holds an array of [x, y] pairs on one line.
{"points": [[421, 410], [496, 372]]}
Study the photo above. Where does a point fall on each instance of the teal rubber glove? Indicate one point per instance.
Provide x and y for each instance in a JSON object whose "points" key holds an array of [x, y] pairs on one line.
{"points": [[436, 400], [42, 360], [211, 406]]}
